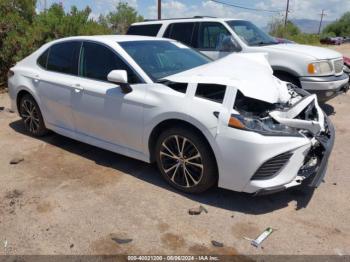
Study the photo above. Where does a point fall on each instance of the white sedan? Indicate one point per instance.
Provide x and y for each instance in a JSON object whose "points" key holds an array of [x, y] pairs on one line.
{"points": [[229, 123]]}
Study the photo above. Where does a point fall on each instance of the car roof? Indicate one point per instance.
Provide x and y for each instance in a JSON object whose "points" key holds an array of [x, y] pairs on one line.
{"points": [[176, 20], [110, 38]]}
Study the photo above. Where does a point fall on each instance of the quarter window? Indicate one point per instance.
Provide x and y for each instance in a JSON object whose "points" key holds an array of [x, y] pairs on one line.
{"points": [[211, 35], [42, 60], [146, 30], [98, 61], [63, 57]]}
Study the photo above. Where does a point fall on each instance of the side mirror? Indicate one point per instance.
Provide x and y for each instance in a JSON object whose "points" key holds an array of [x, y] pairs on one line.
{"points": [[228, 44], [120, 77]]}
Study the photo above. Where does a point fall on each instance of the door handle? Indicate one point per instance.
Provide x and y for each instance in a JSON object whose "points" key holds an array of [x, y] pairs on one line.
{"points": [[77, 88], [36, 78]]}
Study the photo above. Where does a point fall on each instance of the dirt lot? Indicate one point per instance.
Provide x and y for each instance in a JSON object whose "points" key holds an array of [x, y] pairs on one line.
{"points": [[71, 198], [344, 49]]}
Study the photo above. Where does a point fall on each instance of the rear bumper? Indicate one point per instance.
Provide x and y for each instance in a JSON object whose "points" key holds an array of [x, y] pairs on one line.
{"points": [[311, 177], [326, 87]]}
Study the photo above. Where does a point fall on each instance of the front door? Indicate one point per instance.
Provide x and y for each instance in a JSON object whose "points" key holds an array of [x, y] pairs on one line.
{"points": [[210, 38], [101, 110]]}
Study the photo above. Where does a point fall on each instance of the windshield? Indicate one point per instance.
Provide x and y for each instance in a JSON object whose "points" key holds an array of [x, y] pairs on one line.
{"points": [[251, 34], [163, 58]]}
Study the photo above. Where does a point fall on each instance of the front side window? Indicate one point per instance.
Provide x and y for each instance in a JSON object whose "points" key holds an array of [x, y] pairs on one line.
{"points": [[97, 61], [63, 57], [163, 58], [211, 34], [250, 33], [181, 32]]}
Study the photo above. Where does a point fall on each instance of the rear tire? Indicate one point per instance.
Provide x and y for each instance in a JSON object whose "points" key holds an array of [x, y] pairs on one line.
{"points": [[31, 116], [186, 160]]}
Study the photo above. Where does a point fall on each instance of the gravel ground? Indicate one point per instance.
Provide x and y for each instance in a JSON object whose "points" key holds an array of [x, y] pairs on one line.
{"points": [[67, 197], [344, 48]]}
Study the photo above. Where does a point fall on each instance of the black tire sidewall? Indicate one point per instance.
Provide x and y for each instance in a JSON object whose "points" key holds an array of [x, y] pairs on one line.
{"points": [[42, 128], [209, 177]]}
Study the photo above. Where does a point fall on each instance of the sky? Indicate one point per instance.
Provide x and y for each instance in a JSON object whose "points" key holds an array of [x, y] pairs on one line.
{"points": [[309, 9]]}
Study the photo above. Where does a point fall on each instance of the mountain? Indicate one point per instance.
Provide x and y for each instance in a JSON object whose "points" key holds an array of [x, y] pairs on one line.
{"points": [[309, 26]]}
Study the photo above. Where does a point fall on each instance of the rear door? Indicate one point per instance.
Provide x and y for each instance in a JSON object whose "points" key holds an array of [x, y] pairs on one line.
{"points": [[59, 70], [182, 32]]}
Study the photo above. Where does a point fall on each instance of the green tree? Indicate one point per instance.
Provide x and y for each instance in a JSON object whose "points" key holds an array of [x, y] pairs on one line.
{"points": [[15, 18], [120, 19], [292, 32], [340, 27], [278, 29], [22, 30]]}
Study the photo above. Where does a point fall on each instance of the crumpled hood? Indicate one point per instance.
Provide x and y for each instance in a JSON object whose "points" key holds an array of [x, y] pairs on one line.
{"points": [[249, 73], [315, 52]]}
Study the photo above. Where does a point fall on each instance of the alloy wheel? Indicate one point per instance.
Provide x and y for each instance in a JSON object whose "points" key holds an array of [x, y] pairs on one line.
{"points": [[30, 116], [181, 161]]}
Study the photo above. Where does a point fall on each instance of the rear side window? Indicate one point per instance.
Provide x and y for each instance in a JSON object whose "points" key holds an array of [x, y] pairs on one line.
{"points": [[181, 32], [211, 34], [97, 61], [146, 30], [63, 57], [42, 60]]}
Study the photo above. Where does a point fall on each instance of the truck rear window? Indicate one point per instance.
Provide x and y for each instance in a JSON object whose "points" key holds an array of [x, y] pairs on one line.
{"points": [[146, 30]]}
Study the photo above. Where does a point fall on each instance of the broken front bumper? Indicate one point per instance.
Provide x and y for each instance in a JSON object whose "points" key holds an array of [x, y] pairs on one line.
{"points": [[311, 176], [326, 141]]}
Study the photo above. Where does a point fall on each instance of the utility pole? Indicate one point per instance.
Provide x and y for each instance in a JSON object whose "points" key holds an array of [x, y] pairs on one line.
{"points": [[45, 5], [286, 17], [322, 15], [159, 9]]}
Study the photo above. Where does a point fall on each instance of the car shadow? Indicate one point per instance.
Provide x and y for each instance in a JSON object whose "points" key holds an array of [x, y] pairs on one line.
{"points": [[226, 199]]}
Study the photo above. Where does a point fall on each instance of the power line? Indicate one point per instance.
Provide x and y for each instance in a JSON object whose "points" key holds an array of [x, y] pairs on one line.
{"points": [[247, 8]]}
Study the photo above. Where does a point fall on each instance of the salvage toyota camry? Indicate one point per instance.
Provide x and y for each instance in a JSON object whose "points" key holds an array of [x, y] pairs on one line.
{"points": [[229, 122]]}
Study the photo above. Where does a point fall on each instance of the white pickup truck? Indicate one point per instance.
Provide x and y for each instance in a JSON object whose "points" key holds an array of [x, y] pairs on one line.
{"points": [[315, 69]]}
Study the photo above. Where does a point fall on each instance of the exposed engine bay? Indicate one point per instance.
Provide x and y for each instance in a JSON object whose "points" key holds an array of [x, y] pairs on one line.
{"points": [[300, 114]]}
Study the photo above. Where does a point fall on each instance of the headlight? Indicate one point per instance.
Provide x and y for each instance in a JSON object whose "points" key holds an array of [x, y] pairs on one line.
{"points": [[264, 126], [320, 68]]}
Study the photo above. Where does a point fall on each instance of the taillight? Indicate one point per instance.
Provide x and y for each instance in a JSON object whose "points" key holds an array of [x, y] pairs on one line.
{"points": [[10, 73]]}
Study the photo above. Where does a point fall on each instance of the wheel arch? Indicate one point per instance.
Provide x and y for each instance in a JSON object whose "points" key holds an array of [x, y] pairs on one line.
{"points": [[278, 71], [175, 122], [20, 95], [22, 91]]}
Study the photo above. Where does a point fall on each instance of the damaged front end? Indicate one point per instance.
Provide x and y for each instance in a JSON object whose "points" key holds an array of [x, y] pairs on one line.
{"points": [[300, 116]]}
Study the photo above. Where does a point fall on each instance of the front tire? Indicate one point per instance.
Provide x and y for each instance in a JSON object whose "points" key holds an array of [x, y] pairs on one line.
{"points": [[31, 116], [185, 160]]}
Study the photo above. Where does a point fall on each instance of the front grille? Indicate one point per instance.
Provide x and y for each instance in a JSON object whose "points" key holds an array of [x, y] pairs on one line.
{"points": [[272, 166], [338, 66]]}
